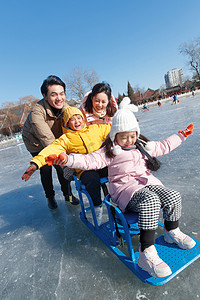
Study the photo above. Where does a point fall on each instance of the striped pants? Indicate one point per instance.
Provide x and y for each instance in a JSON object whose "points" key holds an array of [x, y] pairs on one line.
{"points": [[149, 200]]}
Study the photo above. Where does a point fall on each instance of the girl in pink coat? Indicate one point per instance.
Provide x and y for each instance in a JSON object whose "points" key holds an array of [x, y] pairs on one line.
{"points": [[133, 187]]}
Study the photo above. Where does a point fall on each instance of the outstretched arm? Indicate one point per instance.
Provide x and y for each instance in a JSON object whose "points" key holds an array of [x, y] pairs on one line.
{"points": [[92, 161], [59, 145], [29, 172], [55, 159], [187, 131], [169, 144]]}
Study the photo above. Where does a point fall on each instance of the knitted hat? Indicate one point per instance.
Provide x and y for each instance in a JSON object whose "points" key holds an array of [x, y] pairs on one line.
{"points": [[124, 119], [69, 112]]}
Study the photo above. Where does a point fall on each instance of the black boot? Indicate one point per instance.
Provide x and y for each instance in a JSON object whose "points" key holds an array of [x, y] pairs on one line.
{"points": [[52, 203], [71, 199]]}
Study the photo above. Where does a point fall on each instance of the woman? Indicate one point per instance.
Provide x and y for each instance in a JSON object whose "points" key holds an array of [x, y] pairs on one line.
{"points": [[99, 105]]}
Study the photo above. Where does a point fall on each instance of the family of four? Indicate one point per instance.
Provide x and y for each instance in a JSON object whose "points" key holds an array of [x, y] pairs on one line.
{"points": [[98, 140]]}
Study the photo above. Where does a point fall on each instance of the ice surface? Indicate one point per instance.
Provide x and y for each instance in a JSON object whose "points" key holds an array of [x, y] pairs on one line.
{"points": [[52, 255]]}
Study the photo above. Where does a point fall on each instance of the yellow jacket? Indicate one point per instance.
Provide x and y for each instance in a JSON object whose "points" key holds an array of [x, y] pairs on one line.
{"points": [[86, 140]]}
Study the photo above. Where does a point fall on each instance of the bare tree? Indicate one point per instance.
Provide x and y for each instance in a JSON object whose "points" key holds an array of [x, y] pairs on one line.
{"points": [[91, 78], [137, 89], [28, 100], [8, 117], [78, 82], [13, 114], [192, 51]]}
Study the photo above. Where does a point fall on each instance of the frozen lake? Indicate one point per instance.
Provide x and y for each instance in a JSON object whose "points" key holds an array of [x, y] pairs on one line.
{"points": [[53, 255]]}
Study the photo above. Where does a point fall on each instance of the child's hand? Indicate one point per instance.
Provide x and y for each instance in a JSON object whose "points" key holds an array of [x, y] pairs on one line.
{"points": [[55, 159], [50, 159], [187, 131], [29, 172]]}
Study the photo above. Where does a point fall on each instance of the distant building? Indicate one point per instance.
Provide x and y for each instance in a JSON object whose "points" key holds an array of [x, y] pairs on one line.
{"points": [[174, 78]]}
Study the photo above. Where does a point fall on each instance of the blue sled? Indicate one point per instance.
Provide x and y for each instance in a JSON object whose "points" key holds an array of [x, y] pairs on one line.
{"points": [[121, 227]]}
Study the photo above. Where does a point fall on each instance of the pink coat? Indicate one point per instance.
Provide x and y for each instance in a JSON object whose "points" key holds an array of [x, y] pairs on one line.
{"points": [[127, 171]]}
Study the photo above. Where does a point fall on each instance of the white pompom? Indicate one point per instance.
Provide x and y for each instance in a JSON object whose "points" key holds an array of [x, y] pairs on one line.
{"points": [[125, 104], [116, 149], [125, 101], [149, 146]]}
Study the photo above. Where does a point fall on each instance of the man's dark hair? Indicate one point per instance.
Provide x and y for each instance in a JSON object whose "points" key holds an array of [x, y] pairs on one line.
{"points": [[51, 80]]}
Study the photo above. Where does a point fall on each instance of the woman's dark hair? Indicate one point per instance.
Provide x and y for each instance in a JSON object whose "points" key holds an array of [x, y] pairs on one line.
{"points": [[99, 88], [152, 163], [51, 80]]}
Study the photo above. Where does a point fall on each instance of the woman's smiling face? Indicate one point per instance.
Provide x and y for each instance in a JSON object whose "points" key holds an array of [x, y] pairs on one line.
{"points": [[100, 102]]}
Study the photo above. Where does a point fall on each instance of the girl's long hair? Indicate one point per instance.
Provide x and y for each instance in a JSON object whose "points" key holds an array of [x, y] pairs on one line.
{"points": [[108, 144], [99, 88]]}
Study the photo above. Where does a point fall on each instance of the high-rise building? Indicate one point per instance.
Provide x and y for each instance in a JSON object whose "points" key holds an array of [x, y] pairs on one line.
{"points": [[174, 78]]}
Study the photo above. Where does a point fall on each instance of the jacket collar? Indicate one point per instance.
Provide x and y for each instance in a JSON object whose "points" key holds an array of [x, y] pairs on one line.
{"points": [[49, 110]]}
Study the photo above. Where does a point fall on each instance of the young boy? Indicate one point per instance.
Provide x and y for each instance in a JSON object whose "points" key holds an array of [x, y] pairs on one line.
{"points": [[77, 138]]}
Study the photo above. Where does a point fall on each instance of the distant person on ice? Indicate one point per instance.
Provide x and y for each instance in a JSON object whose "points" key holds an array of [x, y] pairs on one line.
{"points": [[175, 100], [145, 107], [133, 187], [42, 126]]}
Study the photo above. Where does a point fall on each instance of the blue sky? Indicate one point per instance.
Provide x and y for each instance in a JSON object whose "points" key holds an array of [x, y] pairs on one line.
{"points": [[130, 40]]}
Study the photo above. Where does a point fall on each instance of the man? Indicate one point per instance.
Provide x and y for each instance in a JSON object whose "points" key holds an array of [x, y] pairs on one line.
{"points": [[43, 125]]}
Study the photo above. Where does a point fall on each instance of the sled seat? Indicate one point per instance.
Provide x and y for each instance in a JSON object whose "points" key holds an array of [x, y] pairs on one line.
{"points": [[127, 220]]}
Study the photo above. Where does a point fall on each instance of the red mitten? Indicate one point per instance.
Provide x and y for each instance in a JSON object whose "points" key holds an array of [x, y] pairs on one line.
{"points": [[54, 159], [187, 131], [50, 159], [29, 172]]}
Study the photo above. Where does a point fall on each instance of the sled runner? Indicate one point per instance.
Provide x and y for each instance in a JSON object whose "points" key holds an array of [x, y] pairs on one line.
{"points": [[118, 231]]}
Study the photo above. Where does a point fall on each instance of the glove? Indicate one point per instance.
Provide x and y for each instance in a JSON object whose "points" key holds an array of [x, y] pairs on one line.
{"points": [[187, 131], [55, 159], [29, 172]]}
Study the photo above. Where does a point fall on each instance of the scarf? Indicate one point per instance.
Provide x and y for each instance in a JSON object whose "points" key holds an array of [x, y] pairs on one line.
{"points": [[99, 115], [152, 163]]}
